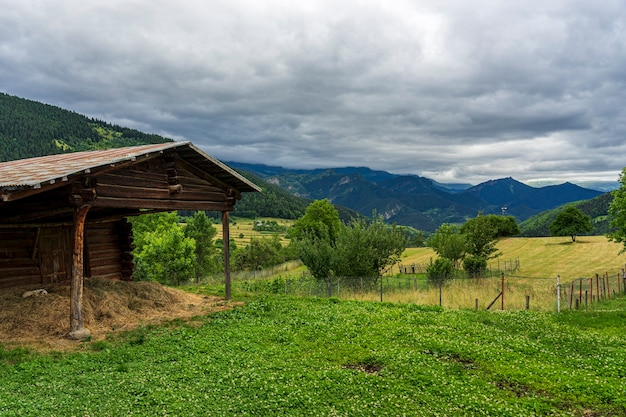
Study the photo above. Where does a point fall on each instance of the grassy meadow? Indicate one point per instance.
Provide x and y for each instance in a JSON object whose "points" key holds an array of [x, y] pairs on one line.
{"points": [[281, 356], [548, 257], [278, 355]]}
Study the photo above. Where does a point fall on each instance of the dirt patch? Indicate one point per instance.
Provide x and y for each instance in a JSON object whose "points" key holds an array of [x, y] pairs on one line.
{"points": [[42, 322]]}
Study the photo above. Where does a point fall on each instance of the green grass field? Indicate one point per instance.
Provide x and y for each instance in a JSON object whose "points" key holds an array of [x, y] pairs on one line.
{"points": [[279, 356], [291, 356]]}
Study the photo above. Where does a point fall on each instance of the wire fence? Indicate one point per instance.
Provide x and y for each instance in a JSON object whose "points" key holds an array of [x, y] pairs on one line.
{"points": [[494, 290], [493, 268], [581, 292]]}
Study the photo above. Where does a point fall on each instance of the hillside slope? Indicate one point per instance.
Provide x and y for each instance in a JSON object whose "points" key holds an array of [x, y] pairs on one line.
{"points": [[29, 129], [597, 208]]}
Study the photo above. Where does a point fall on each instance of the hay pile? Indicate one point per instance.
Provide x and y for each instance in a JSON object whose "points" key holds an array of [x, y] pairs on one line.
{"points": [[108, 306]]}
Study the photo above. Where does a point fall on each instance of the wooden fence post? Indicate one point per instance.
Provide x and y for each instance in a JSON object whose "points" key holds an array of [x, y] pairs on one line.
{"points": [[441, 293], [502, 301], [558, 293], [580, 291]]}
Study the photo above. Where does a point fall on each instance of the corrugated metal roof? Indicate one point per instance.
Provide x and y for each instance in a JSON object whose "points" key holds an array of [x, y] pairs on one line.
{"points": [[37, 172]]}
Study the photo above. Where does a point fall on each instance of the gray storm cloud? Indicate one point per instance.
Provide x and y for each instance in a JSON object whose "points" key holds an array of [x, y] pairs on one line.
{"points": [[457, 91]]}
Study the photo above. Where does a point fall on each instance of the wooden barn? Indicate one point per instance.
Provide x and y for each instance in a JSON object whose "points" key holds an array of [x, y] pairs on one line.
{"points": [[63, 217]]}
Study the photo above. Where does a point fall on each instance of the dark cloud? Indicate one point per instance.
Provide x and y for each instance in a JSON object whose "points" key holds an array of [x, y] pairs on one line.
{"points": [[458, 91]]}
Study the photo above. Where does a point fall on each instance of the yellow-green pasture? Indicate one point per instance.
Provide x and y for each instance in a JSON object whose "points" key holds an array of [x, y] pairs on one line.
{"points": [[547, 257], [541, 261], [241, 230]]}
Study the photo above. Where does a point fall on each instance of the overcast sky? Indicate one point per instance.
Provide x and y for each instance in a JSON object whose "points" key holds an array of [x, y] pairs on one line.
{"points": [[457, 91]]}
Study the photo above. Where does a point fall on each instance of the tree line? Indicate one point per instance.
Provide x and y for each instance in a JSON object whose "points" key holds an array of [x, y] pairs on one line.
{"points": [[174, 248]]}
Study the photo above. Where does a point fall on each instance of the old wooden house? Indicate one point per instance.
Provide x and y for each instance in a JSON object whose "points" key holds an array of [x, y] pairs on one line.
{"points": [[64, 217]]}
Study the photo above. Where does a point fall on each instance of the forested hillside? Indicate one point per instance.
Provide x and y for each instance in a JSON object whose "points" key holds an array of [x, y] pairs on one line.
{"points": [[29, 128], [596, 208], [274, 201]]}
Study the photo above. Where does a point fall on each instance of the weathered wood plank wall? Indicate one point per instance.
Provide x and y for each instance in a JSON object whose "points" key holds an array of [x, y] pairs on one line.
{"points": [[108, 254], [18, 264]]}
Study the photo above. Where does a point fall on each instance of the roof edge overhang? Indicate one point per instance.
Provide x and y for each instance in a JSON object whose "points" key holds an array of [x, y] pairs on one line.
{"points": [[133, 155]]}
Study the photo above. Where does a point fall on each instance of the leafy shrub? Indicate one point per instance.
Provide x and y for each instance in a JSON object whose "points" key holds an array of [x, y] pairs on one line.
{"points": [[474, 265], [440, 270]]}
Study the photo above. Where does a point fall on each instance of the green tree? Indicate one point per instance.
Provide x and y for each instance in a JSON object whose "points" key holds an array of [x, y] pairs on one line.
{"points": [[153, 222], [505, 226], [571, 222], [317, 254], [474, 266], [166, 256], [200, 228], [329, 249], [448, 243], [440, 270], [367, 249], [617, 210], [260, 253], [320, 220], [481, 236]]}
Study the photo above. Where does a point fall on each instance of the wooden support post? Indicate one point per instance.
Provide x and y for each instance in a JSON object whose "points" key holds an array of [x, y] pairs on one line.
{"points": [[226, 240], [76, 286]]}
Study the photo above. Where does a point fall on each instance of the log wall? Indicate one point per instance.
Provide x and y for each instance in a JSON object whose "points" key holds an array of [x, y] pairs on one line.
{"points": [[108, 254], [102, 251], [18, 264], [159, 185]]}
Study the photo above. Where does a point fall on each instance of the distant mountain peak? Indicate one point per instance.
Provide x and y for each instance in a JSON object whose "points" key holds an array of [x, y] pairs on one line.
{"points": [[421, 202]]}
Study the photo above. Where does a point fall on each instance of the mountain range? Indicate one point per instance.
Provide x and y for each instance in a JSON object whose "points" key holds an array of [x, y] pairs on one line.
{"points": [[417, 201]]}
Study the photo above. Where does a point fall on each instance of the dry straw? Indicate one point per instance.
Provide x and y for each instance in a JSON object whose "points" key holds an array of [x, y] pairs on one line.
{"points": [[108, 306]]}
